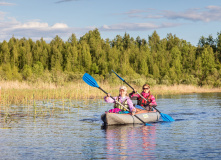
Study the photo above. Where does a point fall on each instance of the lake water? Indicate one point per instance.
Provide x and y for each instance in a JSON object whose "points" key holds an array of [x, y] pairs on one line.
{"points": [[73, 130]]}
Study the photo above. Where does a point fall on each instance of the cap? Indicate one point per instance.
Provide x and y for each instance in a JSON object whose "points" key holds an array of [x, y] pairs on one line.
{"points": [[123, 87]]}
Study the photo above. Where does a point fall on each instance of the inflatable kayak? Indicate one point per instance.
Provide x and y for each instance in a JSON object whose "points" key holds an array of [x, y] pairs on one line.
{"points": [[116, 118]]}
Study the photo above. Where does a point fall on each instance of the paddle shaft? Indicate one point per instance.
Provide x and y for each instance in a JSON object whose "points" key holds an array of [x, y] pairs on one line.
{"points": [[165, 117], [114, 99], [141, 96], [132, 89], [147, 100], [92, 82], [122, 106]]}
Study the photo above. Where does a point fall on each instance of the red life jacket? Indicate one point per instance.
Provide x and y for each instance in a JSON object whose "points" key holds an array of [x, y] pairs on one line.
{"points": [[142, 102]]}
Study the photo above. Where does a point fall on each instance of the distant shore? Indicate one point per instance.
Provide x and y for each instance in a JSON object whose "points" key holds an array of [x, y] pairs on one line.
{"points": [[14, 92]]}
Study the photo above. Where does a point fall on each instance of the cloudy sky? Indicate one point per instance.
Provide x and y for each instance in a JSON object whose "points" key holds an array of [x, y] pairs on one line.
{"points": [[188, 20]]}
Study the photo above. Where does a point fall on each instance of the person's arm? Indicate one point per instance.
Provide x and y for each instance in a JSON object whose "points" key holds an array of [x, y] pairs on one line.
{"points": [[133, 95], [131, 106], [153, 101], [108, 99]]}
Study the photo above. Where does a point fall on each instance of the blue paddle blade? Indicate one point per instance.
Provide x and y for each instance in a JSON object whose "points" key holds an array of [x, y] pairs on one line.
{"points": [[166, 117], [118, 75], [90, 80], [147, 124], [139, 107]]}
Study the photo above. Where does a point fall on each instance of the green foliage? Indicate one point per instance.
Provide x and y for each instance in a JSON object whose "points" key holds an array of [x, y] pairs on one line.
{"points": [[151, 81], [166, 80], [157, 61], [173, 75], [15, 74], [58, 77], [6, 72], [190, 79], [27, 72], [139, 81], [208, 60], [156, 71], [94, 68], [38, 69]]}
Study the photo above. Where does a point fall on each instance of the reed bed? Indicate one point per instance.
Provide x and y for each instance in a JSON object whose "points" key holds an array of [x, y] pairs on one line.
{"points": [[47, 99], [24, 93], [18, 93], [183, 89]]}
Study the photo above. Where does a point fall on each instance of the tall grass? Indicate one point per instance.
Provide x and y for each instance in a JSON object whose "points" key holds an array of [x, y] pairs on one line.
{"points": [[14, 92], [40, 99]]}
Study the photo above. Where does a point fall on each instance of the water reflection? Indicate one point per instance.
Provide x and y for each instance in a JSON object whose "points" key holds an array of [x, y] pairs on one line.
{"points": [[57, 130], [123, 141]]}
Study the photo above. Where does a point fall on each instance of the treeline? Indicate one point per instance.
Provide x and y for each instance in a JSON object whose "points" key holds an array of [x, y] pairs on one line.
{"points": [[156, 61]]}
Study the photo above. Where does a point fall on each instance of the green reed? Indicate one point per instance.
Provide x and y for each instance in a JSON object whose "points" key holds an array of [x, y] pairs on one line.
{"points": [[48, 97]]}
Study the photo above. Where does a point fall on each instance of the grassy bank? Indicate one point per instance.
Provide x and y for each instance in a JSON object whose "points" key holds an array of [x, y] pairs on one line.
{"points": [[14, 92], [26, 95]]}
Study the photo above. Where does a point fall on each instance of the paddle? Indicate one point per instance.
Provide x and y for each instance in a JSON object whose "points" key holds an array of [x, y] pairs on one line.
{"points": [[92, 82], [165, 117]]}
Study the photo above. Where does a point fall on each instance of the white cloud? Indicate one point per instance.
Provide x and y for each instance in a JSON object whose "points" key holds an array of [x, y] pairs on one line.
{"points": [[207, 14], [214, 7], [60, 25], [6, 4], [7, 24], [30, 25], [210, 13], [62, 1], [136, 26], [34, 29], [136, 11], [2, 15], [106, 27]]}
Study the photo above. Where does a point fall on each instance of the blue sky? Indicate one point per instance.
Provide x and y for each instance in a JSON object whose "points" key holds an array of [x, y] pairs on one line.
{"points": [[188, 20]]}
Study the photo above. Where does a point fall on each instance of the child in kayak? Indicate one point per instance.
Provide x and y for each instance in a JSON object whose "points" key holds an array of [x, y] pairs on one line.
{"points": [[147, 95], [123, 99]]}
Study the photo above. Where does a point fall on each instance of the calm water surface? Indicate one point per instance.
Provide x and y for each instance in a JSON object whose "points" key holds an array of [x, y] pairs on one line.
{"points": [[74, 131]]}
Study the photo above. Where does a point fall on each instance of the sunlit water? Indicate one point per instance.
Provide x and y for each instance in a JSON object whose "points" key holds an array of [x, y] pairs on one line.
{"points": [[74, 131]]}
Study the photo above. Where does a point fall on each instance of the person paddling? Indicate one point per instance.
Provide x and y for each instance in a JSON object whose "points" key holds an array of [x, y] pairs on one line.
{"points": [[123, 99], [147, 95]]}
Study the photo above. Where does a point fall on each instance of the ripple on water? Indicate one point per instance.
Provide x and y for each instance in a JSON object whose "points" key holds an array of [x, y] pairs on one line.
{"points": [[77, 132]]}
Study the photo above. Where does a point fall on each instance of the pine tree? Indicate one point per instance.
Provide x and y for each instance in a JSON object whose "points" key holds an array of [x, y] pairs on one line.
{"points": [[208, 60], [86, 57], [5, 54]]}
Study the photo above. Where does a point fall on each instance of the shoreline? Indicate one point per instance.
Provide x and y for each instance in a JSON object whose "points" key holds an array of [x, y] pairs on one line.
{"points": [[14, 92], [181, 88]]}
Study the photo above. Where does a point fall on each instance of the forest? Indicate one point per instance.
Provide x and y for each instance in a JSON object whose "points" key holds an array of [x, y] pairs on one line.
{"points": [[153, 60]]}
